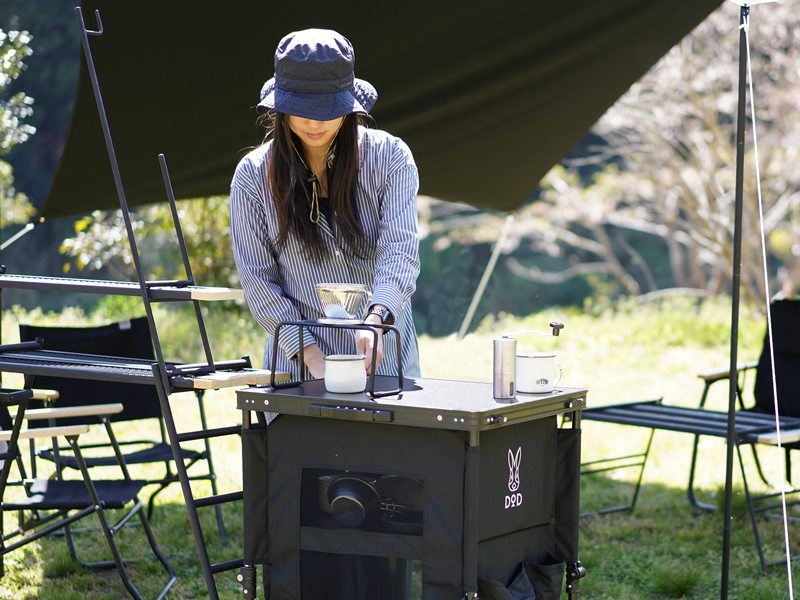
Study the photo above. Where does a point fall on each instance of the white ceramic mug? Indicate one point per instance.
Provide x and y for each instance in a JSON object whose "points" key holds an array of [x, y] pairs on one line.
{"points": [[536, 372], [345, 373]]}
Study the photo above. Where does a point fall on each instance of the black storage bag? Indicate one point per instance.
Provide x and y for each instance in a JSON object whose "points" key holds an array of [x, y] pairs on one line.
{"points": [[534, 582]]}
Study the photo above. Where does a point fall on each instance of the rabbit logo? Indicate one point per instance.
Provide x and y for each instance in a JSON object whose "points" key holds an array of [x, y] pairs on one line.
{"points": [[513, 469], [514, 499]]}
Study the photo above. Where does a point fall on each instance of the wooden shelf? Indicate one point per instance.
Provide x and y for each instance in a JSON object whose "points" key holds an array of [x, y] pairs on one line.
{"points": [[225, 379]]}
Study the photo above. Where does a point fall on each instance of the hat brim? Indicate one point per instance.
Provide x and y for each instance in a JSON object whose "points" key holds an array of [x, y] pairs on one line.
{"points": [[357, 98]]}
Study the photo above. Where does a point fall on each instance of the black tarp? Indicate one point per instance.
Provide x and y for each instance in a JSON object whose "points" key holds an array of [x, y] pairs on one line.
{"points": [[488, 95]]}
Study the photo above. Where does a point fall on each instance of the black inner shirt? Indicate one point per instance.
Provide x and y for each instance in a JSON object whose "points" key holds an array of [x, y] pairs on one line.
{"points": [[326, 208]]}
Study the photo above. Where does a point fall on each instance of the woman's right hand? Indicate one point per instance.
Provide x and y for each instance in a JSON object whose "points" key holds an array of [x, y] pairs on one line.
{"points": [[315, 361]]}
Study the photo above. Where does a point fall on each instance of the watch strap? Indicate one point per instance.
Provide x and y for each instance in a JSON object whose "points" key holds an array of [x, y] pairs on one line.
{"points": [[385, 315]]}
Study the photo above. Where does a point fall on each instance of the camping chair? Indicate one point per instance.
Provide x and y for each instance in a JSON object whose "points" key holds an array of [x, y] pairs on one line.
{"points": [[58, 498], [786, 344], [129, 338], [754, 426]]}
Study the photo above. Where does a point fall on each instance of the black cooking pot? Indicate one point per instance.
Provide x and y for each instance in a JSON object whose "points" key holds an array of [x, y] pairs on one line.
{"points": [[353, 500]]}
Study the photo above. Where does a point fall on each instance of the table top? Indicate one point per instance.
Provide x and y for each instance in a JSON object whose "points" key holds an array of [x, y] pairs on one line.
{"points": [[435, 403]]}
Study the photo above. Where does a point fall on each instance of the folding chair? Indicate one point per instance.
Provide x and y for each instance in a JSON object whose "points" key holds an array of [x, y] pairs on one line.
{"points": [[62, 497], [128, 338], [786, 344], [755, 426]]}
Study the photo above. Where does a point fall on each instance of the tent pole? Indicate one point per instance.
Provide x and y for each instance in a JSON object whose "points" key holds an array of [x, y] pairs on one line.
{"points": [[486, 274], [16, 236], [2, 269], [736, 280]]}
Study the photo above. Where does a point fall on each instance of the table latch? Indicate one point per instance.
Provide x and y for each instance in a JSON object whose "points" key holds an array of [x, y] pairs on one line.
{"points": [[353, 413]]}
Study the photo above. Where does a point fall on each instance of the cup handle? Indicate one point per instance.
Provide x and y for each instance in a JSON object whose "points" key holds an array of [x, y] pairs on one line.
{"points": [[558, 377]]}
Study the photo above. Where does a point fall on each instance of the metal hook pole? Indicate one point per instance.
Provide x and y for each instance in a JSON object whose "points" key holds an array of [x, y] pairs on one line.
{"points": [[112, 156], [162, 161], [83, 23]]}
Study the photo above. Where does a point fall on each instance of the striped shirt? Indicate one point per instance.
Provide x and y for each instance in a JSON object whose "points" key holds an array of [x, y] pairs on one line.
{"points": [[280, 285]]}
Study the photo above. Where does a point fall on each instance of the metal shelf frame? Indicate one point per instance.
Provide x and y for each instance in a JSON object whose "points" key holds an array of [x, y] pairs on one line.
{"points": [[31, 359]]}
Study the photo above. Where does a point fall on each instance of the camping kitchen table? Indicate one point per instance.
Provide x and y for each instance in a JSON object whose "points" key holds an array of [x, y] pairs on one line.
{"points": [[498, 487]]}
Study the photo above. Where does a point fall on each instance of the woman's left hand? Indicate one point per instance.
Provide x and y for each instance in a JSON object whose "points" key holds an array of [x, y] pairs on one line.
{"points": [[365, 340]]}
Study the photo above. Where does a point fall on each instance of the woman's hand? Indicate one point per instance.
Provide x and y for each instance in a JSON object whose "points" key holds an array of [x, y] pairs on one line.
{"points": [[365, 340], [315, 361]]}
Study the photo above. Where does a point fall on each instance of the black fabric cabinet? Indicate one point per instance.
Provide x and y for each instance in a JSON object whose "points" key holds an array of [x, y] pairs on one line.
{"points": [[499, 506]]}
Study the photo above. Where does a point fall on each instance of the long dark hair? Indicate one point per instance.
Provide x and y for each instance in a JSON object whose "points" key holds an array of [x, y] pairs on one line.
{"points": [[291, 192]]}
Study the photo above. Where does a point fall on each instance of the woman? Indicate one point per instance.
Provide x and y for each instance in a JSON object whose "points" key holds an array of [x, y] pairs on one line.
{"points": [[325, 200]]}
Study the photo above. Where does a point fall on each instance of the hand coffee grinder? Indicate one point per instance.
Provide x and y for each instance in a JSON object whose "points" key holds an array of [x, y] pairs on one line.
{"points": [[504, 368]]}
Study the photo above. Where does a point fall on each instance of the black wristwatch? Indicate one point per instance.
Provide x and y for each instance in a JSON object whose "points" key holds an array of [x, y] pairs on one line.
{"points": [[386, 317]]}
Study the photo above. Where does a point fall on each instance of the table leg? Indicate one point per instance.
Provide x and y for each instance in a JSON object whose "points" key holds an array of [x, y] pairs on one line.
{"points": [[471, 489], [247, 577], [575, 571]]}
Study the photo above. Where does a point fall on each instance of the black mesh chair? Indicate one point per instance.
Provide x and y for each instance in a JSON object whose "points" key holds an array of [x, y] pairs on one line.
{"points": [[130, 339], [786, 347], [55, 504], [755, 426]]}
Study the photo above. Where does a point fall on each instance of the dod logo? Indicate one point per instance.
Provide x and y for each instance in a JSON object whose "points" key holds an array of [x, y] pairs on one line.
{"points": [[514, 499]]}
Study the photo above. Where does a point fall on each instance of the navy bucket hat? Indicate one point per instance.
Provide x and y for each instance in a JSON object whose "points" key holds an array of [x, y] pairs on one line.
{"points": [[314, 78]]}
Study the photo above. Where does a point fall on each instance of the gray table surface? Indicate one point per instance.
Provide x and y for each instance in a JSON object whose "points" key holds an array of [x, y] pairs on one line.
{"points": [[435, 403]]}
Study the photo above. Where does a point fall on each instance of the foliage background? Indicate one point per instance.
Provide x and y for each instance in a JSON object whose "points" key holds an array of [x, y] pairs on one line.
{"points": [[15, 109], [643, 204]]}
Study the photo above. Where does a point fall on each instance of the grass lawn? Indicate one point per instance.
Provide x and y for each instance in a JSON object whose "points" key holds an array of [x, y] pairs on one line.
{"points": [[663, 549]]}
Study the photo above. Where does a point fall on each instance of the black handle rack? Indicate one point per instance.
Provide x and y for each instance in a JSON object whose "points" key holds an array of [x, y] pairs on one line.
{"points": [[372, 328]]}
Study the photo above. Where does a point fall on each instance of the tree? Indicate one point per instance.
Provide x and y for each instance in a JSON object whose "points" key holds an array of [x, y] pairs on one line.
{"points": [[52, 78], [101, 241], [673, 135], [14, 206], [657, 210]]}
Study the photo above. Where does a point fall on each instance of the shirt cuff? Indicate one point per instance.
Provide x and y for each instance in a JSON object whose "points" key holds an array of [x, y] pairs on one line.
{"points": [[387, 296], [290, 340]]}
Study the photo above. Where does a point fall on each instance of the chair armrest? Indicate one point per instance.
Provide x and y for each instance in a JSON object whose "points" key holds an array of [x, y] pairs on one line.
{"points": [[14, 397], [724, 372], [788, 436], [45, 395], [46, 432], [37, 414]]}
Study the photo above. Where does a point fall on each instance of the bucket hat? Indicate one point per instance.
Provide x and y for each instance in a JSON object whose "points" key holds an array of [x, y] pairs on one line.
{"points": [[314, 78]]}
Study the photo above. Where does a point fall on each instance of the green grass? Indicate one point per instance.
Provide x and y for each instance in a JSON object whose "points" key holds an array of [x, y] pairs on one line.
{"points": [[663, 549]]}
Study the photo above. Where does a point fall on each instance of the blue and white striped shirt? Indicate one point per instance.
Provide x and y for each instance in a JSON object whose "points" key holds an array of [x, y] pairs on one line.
{"points": [[279, 285]]}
